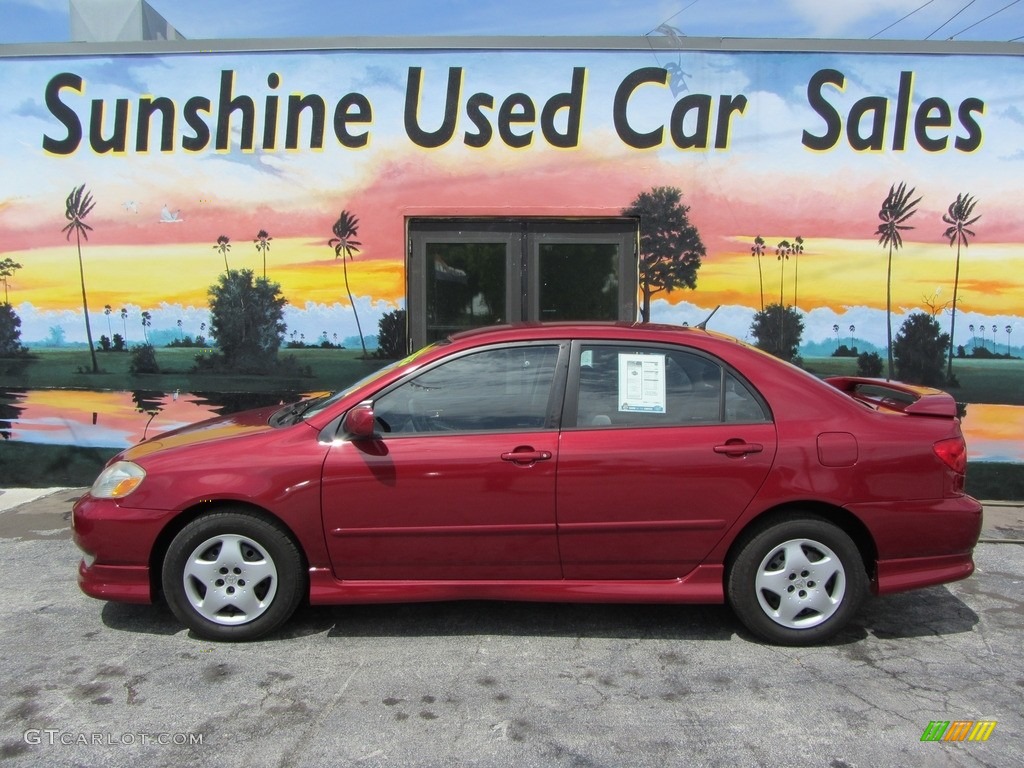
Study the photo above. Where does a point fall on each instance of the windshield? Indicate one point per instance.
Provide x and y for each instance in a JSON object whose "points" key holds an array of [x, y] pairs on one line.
{"points": [[320, 404]]}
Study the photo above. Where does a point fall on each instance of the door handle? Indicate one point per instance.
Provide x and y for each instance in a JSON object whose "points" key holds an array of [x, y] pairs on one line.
{"points": [[525, 455], [738, 448]]}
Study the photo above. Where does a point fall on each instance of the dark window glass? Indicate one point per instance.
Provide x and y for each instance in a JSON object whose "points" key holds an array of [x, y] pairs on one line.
{"points": [[466, 287], [623, 386], [492, 390]]}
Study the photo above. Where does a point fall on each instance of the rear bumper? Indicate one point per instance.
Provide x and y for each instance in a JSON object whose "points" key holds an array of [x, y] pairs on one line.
{"points": [[913, 573], [922, 543]]}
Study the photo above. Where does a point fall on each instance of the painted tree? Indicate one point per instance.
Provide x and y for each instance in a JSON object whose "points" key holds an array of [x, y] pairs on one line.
{"points": [[262, 243], [798, 248], [247, 319], [8, 267], [147, 320], [124, 323], [10, 332], [670, 246], [346, 229], [78, 205], [757, 251], [920, 350], [896, 210], [107, 309], [960, 217], [777, 331], [224, 245], [782, 253]]}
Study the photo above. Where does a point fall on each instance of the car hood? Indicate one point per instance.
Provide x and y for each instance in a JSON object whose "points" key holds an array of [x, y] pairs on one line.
{"points": [[211, 430]]}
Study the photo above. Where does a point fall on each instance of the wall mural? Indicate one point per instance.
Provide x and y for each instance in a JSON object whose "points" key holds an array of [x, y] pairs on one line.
{"points": [[857, 212]]}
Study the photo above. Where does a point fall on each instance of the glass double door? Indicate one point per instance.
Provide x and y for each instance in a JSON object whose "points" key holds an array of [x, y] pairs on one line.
{"points": [[468, 273]]}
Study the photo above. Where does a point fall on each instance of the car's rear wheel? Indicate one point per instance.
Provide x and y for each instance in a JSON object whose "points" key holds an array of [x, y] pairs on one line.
{"points": [[233, 576], [797, 582]]}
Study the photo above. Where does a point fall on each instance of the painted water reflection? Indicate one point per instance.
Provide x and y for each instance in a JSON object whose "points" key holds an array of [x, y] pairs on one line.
{"points": [[120, 419], [112, 419]]}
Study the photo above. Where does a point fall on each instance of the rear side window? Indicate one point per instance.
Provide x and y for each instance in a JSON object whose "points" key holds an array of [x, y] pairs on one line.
{"points": [[492, 390], [632, 386]]}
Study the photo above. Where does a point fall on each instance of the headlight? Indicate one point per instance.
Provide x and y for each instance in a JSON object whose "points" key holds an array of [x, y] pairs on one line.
{"points": [[117, 480]]}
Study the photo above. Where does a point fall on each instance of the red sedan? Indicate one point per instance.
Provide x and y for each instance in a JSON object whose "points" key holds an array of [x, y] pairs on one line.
{"points": [[601, 463]]}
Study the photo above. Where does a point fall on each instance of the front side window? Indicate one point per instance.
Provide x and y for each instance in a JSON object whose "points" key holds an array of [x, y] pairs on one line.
{"points": [[506, 389], [626, 386]]}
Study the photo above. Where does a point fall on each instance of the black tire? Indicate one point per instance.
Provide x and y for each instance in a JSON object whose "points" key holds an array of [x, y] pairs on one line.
{"points": [[233, 576], [796, 581]]}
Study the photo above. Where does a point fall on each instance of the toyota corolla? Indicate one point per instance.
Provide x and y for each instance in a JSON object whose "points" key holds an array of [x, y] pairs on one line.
{"points": [[572, 462]]}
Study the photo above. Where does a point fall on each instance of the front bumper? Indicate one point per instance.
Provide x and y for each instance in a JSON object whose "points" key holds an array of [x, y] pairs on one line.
{"points": [[119, 583], [118, 542]]}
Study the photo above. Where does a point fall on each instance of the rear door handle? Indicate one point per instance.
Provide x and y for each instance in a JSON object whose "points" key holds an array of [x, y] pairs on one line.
{"points": [[738, 448], [525, 455]]}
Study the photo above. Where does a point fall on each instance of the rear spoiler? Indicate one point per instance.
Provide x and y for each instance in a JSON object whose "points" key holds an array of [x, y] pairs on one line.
{"points": [[894, 395]]}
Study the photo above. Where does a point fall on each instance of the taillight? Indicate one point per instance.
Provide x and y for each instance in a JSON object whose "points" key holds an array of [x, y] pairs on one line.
{"points": [[953, 453]]}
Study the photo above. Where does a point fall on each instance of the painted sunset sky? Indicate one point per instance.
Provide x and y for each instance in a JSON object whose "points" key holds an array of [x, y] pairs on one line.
{"points": [[760, 178]]}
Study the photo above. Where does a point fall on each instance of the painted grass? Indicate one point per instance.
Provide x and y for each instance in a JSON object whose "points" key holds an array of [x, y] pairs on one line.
{"points": [[981, 381], [71, 369]]}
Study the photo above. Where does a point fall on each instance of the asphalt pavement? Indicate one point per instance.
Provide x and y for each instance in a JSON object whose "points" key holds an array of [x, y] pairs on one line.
{"points": [[83, 682]]}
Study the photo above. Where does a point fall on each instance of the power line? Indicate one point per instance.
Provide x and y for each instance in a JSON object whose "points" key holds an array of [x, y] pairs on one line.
{"points": [[985, 19], [899, 20], [950, 19], [666, 21]]}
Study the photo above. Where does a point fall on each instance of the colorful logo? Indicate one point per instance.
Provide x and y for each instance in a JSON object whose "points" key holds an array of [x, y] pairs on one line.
{"points": [[958, 730]]}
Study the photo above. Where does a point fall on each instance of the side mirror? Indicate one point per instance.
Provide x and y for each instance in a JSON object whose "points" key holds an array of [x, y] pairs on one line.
{"points": [[359, 422]]}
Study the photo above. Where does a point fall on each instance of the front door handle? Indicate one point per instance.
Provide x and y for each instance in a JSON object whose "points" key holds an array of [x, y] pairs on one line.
{"points": [[738, 448], [525, 455]]}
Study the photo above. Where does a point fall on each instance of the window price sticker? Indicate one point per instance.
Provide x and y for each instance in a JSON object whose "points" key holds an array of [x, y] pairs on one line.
{"points": [[641, 383]]}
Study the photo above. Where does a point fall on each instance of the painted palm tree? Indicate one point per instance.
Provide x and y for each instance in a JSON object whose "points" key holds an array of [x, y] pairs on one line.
{"points": [[147, 320], [1009, 328], [757, 251], [959, 218], [797, 249], [896, 210], [78, 205], [835, 330], [124, 324], [262, 243], [782, 252], [345, 229], [7, 269], [224, 245], [107, 309]]}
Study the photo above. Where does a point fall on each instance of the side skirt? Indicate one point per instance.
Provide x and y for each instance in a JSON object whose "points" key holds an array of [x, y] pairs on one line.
{"points": [[702, 585]]}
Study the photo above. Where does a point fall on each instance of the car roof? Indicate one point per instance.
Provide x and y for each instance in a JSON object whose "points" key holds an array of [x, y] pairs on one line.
{"points": [[592, 330]]}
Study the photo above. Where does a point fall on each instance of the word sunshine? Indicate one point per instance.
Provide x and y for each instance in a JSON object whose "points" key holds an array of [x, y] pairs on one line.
{"points": [[309, 121]]}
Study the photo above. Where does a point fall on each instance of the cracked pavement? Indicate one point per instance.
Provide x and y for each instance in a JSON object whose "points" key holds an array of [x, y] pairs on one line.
{"points": [[451, 684]]}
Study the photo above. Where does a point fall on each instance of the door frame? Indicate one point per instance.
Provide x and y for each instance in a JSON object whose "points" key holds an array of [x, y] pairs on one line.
{"points": [[523, 237]]}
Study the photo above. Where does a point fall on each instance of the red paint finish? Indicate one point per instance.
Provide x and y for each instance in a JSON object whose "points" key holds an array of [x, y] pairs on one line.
{"points": [[544, 493]]}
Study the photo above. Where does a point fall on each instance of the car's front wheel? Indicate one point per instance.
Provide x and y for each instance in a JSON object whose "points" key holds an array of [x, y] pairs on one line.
{"points": [[797, 582], [233, 576]]}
